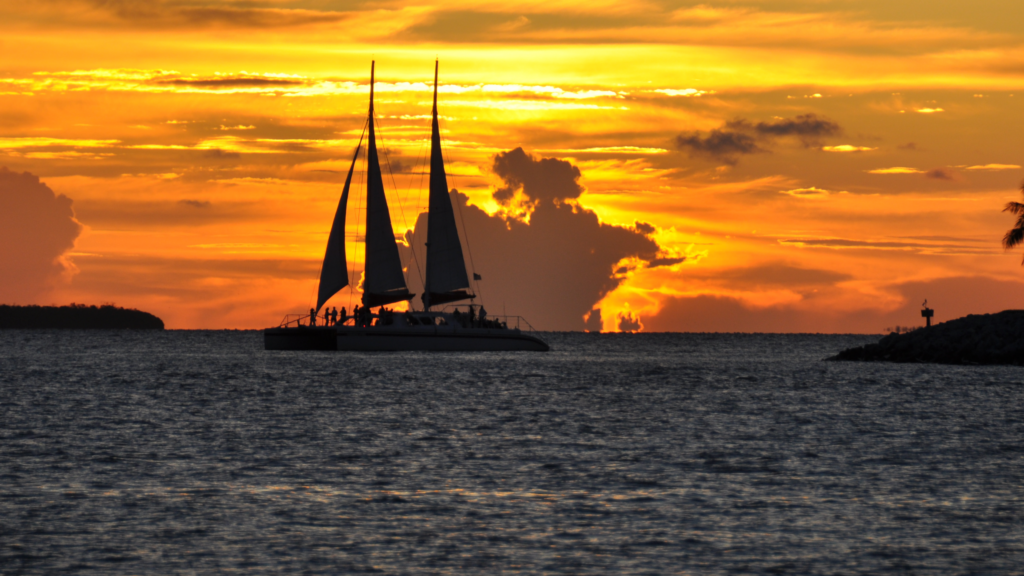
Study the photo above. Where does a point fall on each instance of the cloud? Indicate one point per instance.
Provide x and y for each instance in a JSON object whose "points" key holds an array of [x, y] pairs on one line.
{"points": [[896, 170], [772, 275], [722, 145], [628, 322], [171, 14], [665, 262], [847, 148], [993, 167], [231, 82], [940, 174], [686, 92], [938, 247], [220, 154], [929, 110], [37, 228], [908, 146], [120, 214], [551, 270], [741, 137], [811, 192], [644, 228], [808, 127], [543, 180]]}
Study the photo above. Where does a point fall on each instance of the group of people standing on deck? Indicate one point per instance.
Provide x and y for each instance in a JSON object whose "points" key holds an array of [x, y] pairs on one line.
{"points": [[472, 320], [331, 316], [362, 317]]}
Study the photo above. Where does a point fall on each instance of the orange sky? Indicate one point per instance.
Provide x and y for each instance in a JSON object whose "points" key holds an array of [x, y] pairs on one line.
{"points": [[796, 166]]}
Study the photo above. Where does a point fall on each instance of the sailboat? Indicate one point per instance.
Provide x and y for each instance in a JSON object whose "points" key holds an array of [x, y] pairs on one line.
{"points": [[440, 325]]}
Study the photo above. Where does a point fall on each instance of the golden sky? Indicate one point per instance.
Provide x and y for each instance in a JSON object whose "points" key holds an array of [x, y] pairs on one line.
{"points": [[785, 166]]}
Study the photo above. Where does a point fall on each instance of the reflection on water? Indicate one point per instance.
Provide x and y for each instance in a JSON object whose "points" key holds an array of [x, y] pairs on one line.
{"points": [[199, 452]]}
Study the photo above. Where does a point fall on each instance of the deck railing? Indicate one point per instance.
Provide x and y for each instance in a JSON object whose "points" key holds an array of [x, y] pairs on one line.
{"points": [[516, 322]]}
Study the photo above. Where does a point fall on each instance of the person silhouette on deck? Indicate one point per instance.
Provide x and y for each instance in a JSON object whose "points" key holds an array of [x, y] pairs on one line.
{"points": [[344, 315], [312, 317]]}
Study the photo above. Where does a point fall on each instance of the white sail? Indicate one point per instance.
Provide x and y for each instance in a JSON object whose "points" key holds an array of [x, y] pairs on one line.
{"points": [[334, 272], [446, 268], [383, 280]]}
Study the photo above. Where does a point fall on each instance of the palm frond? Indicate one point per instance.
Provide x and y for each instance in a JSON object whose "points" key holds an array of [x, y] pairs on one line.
{"points": [[1014, 208], [1013, 237]]}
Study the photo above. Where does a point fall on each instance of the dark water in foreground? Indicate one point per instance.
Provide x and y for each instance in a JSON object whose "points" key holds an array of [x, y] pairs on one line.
{"points": [[198, 452]]}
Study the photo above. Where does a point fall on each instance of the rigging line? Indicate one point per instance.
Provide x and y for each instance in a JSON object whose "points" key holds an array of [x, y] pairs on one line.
{"points": [[401, 210], [465, 231], [421, 161], [359, 218], [345, 244], [349, 265]]}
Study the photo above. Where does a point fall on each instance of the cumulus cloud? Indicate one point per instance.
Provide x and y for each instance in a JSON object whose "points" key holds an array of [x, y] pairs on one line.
{"points": [[540, 180], [741, 137], [551, 270], [644, 227], [37, 227], [629, 322]]}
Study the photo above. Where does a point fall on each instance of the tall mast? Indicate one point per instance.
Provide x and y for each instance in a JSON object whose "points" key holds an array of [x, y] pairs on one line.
{"points": [[383, 279], [446, 279]]}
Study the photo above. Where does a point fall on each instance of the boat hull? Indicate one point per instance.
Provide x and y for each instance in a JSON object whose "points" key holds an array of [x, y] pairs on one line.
{"points": [[301, 338], [387, 339]]}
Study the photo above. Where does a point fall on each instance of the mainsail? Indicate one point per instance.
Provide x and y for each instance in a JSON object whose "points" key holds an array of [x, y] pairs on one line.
{"points": [[334, 272], [446, 268], [383, 280]]}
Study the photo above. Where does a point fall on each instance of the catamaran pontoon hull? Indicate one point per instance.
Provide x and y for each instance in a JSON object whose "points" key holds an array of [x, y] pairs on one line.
{"points": [[384, 339], [300, 338]]}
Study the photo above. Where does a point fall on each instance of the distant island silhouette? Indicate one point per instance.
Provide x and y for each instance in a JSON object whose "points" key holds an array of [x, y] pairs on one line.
{"points": [[77, 317], [974, 339]]}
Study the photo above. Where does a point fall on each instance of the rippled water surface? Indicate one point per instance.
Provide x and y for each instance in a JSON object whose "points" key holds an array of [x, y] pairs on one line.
{"points": [[198, 452]]}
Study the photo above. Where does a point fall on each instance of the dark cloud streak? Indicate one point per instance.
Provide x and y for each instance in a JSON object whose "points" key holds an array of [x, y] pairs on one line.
{"points": [[720, 145], [740, 137]]}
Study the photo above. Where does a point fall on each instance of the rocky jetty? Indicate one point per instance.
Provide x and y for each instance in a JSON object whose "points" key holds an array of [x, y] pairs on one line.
{"points": [[975, 339], [77, 316]]}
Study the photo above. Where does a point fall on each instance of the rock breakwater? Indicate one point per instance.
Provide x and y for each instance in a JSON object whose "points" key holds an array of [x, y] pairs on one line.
{"points": [[974, 339]]}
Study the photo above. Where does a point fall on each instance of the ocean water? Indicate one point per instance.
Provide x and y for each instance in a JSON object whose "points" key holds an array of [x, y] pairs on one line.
{"points": [[198, 452]]}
